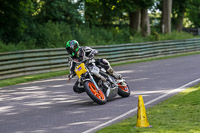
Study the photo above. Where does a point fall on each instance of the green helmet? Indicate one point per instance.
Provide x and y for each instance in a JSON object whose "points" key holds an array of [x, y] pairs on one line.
{"points": [[72, 47]]}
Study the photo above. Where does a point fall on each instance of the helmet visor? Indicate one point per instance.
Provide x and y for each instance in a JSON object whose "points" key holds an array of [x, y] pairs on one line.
{"points": [[69, 50]]}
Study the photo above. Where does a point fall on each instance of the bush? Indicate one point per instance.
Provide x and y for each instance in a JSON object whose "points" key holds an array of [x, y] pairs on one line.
{"points": [[156, 36], [20, 46], [55, 35]]}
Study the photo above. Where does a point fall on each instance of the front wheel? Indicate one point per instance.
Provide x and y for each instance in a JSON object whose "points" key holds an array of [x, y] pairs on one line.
{"points": [[96, 95], [123, 90]]}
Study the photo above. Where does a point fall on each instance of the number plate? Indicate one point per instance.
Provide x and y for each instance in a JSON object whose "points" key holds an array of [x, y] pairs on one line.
{"points": [[80, 70]]}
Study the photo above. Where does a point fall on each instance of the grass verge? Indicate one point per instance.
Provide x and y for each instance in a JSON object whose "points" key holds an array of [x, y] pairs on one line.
{"points": [[179, 114], [23, 79], [157, 58]]}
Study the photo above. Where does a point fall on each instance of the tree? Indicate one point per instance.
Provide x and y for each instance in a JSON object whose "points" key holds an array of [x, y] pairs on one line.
{"points": [[166, 16], [102, 12], [145, 22], [133, 9], [178, 12], [138, 15], [59, 11], [15, 17], [193, 12]]}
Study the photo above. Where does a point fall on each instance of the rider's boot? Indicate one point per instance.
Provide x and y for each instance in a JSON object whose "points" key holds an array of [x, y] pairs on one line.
{"points": [[113, 73]]}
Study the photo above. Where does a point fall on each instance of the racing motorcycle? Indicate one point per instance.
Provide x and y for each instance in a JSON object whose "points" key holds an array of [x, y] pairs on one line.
{"points": [[98, 84]]}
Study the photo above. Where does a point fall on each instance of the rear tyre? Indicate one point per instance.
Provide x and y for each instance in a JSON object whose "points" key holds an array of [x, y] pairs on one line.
{"points": [[123, 91], [96, 95]]}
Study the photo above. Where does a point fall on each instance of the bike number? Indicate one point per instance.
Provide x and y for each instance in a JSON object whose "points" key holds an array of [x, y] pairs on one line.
{"points": [[79, 70]]}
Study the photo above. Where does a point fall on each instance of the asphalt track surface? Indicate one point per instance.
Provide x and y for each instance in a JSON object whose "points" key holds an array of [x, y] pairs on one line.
{"points": [[51, 106]]}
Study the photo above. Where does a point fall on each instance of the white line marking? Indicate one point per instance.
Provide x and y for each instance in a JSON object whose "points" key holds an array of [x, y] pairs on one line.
{"points": [[183, 87]]}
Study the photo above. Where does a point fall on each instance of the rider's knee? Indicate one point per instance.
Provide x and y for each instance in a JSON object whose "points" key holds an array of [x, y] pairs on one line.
{"points": [[104, 63]]}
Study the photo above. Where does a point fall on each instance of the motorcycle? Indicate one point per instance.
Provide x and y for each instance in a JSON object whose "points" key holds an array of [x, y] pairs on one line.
{"points": [[98, 84]]}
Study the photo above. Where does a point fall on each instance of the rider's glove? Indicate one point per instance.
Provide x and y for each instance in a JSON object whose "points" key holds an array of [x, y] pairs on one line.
{"points": [[92, 53], [70, 76]]}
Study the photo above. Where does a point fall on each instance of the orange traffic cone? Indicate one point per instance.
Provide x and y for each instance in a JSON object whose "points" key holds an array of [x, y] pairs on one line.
{"points": [[141, 115]]}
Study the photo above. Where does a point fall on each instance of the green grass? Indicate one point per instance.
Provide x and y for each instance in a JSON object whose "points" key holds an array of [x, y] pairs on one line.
{"points": [[179, 114], [157, 58], [161, 37], [23, 79], [177, 36]]}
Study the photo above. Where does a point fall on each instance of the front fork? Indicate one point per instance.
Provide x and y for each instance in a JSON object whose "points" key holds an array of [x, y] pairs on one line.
{"points": [[93, 81]]}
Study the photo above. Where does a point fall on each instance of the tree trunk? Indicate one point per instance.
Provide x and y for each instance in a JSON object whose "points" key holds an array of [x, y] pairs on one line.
{"points": [[145, 24], [135, 21], [179, 22], [166, 16]]}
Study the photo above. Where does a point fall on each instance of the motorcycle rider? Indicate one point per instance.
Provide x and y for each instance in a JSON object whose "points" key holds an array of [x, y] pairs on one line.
{"points": [[81, 54]]}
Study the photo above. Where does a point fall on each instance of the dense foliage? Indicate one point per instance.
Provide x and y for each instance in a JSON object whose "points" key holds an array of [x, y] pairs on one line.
{"points": [[50, 23]]}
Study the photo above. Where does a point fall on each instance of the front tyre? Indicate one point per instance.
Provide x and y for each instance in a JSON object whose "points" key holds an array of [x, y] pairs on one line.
{"points": [[96, 95], [123, 91]]}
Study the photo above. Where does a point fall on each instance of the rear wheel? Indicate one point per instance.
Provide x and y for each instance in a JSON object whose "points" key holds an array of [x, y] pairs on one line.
{"points": [[123, 91], [96, 95]]}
